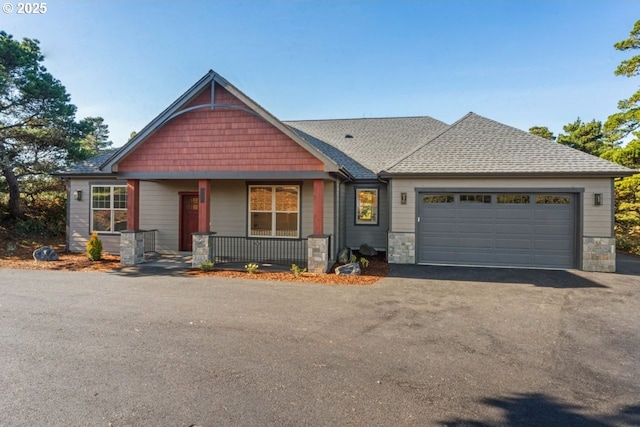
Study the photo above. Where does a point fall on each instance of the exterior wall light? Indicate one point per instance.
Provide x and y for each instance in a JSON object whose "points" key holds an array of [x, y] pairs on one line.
{"points": [[403, 198], [597, 199], [77, 195]]}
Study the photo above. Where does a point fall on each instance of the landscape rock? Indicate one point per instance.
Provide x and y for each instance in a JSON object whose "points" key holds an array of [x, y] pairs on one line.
{"points": [[45, 253], [344, 255], [367, 250], [351, 269]]}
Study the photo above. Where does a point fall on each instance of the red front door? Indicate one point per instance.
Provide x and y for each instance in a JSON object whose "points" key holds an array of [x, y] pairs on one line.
{"points": [[188, 220]]}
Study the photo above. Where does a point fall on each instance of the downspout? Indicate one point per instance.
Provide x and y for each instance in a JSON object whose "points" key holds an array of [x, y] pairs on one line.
{"points": [[68, 226], [338, 221], [389, 201]]}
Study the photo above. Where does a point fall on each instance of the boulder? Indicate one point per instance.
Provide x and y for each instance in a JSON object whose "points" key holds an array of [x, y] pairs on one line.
{"points": [[352, 269], [45, 253], [344, 255], [367, 250]]}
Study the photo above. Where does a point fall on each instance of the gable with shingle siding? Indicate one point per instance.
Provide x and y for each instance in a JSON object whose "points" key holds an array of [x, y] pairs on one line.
{"points": [[221, 139]]}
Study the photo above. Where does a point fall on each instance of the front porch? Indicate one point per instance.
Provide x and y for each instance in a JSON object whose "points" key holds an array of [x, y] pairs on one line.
{"points": [[224, 222]]}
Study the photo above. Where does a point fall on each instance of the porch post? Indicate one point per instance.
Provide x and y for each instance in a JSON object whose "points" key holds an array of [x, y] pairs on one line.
{"points": [[132, 239], [133, 204], [318, 206], [204, 205]]}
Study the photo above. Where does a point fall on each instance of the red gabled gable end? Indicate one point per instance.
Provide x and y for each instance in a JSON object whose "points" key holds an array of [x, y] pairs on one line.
{"points": [[218, 140]]}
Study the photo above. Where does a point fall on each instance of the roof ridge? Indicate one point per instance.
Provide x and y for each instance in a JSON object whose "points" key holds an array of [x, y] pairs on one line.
{"points": [[433, 138], [361, 118]]}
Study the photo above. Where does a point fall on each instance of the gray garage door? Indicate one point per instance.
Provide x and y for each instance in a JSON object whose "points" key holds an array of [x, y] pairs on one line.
{"points": [[497, 229]]}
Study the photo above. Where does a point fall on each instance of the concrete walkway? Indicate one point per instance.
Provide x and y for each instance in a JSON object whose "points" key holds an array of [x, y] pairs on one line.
{"points": [[178, 264]]}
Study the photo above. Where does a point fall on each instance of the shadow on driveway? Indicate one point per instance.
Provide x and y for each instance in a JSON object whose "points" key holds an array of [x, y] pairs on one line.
{"points": [[543, 278], [542, 410], [627, 264]]}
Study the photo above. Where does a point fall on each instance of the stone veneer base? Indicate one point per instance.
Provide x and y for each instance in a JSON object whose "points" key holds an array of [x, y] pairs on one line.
{"points": [[402, 248], [202, 249], [599, 254], [131, 247], [318, 254]]}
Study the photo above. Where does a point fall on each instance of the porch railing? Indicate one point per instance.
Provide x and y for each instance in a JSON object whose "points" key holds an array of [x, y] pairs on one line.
{"points": [[149, 241], [267, 251]]}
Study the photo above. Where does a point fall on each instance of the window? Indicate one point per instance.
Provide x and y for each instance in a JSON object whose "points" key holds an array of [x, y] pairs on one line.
{"points": [[108, 208], [273, 210], [549, 199], [367, 206], [444, 198], [475, 198], [513, 199]]}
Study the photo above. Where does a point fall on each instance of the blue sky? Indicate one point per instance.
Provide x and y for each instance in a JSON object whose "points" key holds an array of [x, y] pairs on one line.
{"points": [[522, 63]]}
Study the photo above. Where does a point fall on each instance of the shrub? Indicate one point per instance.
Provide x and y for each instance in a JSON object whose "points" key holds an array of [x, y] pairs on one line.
{"points": [[297, 271], [364, 262], [94, 247], [353, 258], [207, 266], [251, 267]]}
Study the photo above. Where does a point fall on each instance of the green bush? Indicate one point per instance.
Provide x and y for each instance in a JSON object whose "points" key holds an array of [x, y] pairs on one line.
{"points": [[364, 262], [297, 271], [251, 268], [207, 266], [94, 247]]}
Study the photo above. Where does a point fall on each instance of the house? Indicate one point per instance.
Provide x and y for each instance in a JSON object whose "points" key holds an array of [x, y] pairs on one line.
{"points": [[218, 176]]}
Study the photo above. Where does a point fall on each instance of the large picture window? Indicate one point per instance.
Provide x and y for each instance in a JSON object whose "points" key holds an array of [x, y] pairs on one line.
{"points": [[274, 210], [367, 206], [108, 208]]}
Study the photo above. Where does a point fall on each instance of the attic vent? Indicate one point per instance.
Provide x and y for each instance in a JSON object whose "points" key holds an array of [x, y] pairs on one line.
{"points": [[348, 135]]}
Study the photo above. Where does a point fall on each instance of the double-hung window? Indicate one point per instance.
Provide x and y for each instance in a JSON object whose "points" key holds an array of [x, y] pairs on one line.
{"points": [[274, 211], [108, 208]]}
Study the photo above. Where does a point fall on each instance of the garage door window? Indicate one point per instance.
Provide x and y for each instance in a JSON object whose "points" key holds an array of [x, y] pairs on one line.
{"points": [[475, 198], [514, 199], [441, 198], [548, 199]]}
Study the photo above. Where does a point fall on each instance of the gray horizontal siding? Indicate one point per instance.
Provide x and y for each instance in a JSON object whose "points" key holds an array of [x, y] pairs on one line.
{"points": [[372, 235]]}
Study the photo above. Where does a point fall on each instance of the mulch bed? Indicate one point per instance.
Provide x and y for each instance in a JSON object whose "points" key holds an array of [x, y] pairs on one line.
{"points": [[18, 254], [377, 269]]}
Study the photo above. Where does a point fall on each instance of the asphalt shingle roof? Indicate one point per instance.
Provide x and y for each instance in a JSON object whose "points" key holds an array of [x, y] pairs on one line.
{"points": [[91, 166], [477, 145], [366, 146], [426, 146]]}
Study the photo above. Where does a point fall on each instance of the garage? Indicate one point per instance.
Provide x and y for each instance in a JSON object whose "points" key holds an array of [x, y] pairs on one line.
{"points": [[524, 229]]}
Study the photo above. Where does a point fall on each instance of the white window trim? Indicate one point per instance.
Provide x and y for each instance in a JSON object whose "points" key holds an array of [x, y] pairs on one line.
{"points": [[377, 206], [112, 209], [273, 211]]}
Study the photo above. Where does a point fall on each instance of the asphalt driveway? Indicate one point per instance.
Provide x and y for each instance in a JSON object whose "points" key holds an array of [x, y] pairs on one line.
{"points": [[429, 346]]}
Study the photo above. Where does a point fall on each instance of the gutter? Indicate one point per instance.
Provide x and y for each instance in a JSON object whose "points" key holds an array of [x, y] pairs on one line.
{"points": [[586, 174]]}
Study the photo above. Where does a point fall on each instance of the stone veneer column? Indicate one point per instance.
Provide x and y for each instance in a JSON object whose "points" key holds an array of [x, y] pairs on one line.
{"points": [[318, 253], [131, 247], [402, 248], [599, 254], [202, 249]]}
